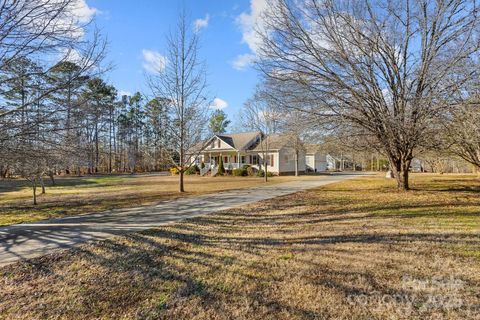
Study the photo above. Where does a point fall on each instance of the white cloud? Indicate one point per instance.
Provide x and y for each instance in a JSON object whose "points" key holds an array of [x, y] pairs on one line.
{"points": [[250, 23], [153, 61], [201, 23], [242, 61], [72, 55], [83, 11], [219, 104], [74, 18]]}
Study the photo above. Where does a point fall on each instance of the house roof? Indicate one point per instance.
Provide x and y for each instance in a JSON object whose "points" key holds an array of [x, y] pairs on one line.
{"points": [[274, 142], [239, 141]]}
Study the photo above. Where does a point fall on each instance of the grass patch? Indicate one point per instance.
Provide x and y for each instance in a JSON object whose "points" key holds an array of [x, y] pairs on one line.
{"points": [[352, 250], [71, 196]]}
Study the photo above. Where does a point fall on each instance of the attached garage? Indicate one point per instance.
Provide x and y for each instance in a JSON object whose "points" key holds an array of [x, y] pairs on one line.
{"points": [[315, 160]]}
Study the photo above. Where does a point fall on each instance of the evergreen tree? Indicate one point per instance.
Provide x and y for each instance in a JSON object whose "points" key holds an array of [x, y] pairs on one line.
{"points": [[221, 168], [218, 122]]}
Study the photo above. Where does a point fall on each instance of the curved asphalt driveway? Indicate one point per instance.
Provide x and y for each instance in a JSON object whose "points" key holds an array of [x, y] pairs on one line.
{"points": [[28, 240]]}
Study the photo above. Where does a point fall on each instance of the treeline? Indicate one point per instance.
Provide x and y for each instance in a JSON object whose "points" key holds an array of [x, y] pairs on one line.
{"points": [[57, 113], [76, 124]]}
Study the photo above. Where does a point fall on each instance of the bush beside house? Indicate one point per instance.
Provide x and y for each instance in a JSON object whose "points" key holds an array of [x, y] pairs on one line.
{"points": [[241, 172], [261, 173], [193, 170], [221, 167]]}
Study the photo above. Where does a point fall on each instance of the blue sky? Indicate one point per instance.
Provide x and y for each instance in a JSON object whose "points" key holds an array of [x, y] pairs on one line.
{"points": [[136, 33]]}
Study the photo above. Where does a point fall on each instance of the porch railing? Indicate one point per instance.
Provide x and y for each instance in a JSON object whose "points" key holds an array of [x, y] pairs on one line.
{"points": [[214, 171], [214, 167], [231, 166], [203, 171]]}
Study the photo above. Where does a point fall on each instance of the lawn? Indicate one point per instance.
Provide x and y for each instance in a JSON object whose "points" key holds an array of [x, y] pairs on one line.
{"points": [[352, 250], [73, 195]]}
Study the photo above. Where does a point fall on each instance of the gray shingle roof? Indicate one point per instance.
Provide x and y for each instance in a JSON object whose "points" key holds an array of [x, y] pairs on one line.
{"points": [[239, 141], [273, 142]]}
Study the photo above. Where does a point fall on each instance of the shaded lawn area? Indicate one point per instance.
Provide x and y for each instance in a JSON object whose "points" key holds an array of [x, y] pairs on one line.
{"points": [[73, 195], [351, 250]]}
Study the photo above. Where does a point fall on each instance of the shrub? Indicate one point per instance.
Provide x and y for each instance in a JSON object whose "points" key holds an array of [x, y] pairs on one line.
{"points": [[250, 171], [221, 168], [246, 166], [239, 172], [174, 171], [202, 165], [261, 173], [192, 170]]}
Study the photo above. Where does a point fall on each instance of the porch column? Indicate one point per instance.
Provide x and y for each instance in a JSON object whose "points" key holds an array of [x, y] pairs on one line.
{"points": [[238, 159]]}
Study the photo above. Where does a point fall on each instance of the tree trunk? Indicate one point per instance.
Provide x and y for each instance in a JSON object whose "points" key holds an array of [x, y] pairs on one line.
{"points": [[52, 178], [96, 148], [181, 182], [42, 183], [400, 172], [296, 163], [34, 190], [265, 166]]}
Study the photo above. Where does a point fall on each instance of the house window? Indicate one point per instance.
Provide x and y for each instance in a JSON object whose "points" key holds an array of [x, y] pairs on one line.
{"points": [[242, 159], [270, 160], [254, 159]]}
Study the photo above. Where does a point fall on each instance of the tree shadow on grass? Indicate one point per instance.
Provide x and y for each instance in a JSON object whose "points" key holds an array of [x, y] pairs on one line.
{"points": [[195, 267]]}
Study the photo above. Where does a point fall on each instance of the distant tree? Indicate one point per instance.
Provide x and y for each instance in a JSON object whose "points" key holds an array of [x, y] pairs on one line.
{"points": [[131, 123], [68, 77], [156, 135], [218, 122], [259, 114], [462, 131], [182, 81], [98, 99]]}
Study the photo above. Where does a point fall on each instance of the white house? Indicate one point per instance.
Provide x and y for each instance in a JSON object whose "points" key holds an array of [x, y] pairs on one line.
{"points": [[251, 148], [316, 161]]}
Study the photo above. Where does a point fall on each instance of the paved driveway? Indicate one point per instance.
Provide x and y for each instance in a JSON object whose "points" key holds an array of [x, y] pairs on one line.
{"points": [[28, 240]]}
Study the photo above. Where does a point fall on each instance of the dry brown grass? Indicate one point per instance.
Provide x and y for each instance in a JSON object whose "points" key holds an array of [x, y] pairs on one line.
{"points": [[353, 250], [99, 193]]}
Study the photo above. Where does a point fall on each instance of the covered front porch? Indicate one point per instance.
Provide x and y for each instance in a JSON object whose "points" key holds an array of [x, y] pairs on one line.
{"points": [[231, 160]]}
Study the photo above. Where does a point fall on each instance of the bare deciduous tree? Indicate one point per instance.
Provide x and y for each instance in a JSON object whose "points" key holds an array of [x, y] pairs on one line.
{"points": [[463, 132], [260, 114], [182, 82], [385, 68]]}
